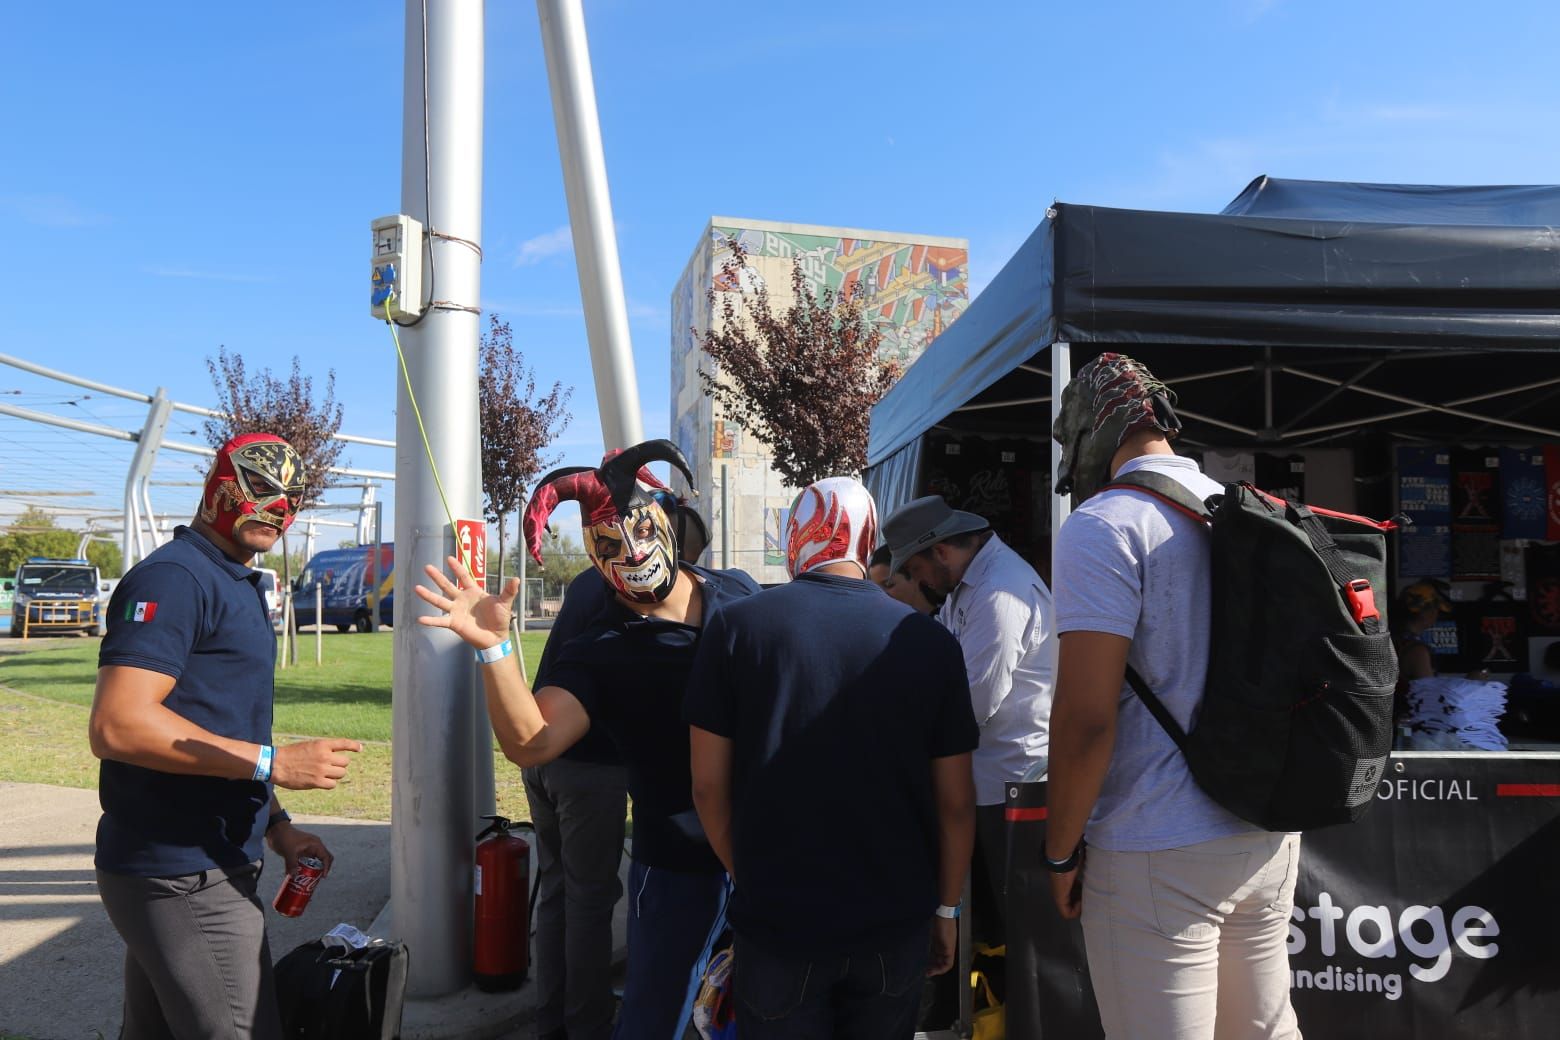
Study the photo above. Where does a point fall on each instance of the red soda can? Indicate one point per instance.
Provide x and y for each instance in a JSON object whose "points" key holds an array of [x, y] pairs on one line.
{"points": [[298, 887]]}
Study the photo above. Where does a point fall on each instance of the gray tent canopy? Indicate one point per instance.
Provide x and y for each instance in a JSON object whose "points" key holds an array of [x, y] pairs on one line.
{"points": [[1304, 313]]}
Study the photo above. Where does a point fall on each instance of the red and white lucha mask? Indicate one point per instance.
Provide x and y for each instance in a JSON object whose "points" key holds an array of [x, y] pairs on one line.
{"points": [[257, 478], [628, 536], [832, 520]]}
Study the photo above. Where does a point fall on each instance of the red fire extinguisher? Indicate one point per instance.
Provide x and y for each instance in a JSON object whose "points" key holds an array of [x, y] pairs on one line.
{"points": [[501, 936]]}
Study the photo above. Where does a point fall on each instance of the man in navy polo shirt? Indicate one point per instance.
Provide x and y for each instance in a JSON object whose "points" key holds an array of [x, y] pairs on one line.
{"points": [[181, 719], [627, 673], [831, 736]]}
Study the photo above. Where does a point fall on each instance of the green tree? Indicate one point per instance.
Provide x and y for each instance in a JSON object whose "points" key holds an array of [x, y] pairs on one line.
{"points": [[802, 380], [562, 558], [518, 424], [34, 533], [107, 556]]}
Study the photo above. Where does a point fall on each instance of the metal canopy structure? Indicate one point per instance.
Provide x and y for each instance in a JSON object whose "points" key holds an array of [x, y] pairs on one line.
{"points": [[1306, 313]]}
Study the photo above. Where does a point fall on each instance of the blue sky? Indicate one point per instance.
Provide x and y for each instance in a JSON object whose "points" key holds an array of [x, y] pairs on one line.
{"points": [[177, 177]]}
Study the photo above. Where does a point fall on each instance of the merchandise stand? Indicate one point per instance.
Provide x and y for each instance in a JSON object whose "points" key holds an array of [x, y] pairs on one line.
{"points": [[1307, 317]]}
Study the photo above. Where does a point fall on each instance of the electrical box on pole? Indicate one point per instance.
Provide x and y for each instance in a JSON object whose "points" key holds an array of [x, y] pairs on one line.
{"points": [[397, 267]]}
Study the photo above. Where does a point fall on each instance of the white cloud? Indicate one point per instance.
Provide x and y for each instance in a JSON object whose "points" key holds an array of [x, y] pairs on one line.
{"points": [[49, 210], [557, 242]]}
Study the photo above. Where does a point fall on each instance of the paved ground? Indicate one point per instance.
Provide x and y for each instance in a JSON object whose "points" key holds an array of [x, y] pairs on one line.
{"points": [[60, 959]]}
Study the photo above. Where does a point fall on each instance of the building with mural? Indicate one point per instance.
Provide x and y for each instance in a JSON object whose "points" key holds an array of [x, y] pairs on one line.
{"points": [[912, 287]]}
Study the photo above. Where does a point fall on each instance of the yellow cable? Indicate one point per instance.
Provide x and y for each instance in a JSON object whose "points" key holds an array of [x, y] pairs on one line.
{"points": [[406, 378]]}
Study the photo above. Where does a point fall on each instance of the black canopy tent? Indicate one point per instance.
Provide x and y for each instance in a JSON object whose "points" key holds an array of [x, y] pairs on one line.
{"points": [[1305, 313]]}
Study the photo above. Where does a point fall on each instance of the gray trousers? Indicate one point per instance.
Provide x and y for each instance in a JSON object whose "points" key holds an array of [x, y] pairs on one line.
{"points": [[197, 965], [579, 809]]}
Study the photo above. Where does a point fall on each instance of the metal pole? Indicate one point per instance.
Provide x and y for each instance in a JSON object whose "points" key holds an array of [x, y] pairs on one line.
{"points": [[319, 630], [375, 539], [136, 481], [725, 528], [1061, 375], [521, 614], [590, 220], [436, 714]]}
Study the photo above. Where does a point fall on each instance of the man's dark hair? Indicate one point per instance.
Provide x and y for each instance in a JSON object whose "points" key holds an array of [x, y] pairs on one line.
{"points": [[881, 557], [690, 528]]}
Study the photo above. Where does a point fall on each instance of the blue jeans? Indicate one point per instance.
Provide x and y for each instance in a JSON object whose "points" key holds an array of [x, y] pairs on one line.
{"points": [[674, 919], [872, 996]]}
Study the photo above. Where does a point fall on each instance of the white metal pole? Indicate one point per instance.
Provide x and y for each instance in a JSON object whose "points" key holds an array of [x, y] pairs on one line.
{"points": [[139, 477], [1061, 375], [319, 630], [436, 716], [590, 220]]}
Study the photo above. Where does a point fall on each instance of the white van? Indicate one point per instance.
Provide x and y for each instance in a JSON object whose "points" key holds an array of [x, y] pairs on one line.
{"points": [[271, 586]]}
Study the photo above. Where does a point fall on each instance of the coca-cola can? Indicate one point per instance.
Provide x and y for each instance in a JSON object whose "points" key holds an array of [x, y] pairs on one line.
{"points": [[298, 887]]}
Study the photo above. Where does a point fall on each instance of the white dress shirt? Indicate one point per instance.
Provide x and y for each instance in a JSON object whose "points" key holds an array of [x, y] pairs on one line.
{"points": [[1001, 614]]}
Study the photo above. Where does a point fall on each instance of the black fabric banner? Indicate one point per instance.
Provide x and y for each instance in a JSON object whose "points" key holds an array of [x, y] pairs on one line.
{"points": [[1042, 947], [1435, 917]]}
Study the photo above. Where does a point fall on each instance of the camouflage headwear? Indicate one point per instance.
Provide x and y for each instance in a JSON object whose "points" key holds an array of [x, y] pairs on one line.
{"points": [[1109, 398]]}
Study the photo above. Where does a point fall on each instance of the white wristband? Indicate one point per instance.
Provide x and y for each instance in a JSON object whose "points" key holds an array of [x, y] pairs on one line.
{"points": [[495, 653], [263, 763], [949, 912]]}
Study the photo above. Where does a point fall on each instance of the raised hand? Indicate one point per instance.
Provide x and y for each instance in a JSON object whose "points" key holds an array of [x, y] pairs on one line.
{"points": [[479, 618]]}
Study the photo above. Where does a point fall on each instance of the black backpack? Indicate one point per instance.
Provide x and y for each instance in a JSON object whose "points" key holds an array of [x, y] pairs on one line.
{"points": [[1296, 719], [331, 993]]}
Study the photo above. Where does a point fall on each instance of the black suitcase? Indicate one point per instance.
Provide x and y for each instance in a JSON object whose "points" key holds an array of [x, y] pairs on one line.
{"points": [[327, 992]]}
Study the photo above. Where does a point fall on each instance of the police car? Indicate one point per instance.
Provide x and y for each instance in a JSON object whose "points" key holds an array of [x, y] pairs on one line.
{"points": [[55, 596]]}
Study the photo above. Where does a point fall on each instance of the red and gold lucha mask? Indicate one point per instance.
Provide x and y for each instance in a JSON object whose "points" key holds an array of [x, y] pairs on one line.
{"points": [[257, 478], [628, 536]]}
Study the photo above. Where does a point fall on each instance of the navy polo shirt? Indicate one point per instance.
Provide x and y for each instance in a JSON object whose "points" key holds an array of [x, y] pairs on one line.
{"points": [[631, 672], [190, 612], [836, 699], [588, 595]]}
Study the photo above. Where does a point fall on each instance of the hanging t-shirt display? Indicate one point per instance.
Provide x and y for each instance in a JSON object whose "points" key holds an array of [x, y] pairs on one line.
{"points": [[1494, 635], [1446, 646], [1543, 577], [1424, 495], [1476, 512], [1552, 491], [1524, 493], [1282, 475]]}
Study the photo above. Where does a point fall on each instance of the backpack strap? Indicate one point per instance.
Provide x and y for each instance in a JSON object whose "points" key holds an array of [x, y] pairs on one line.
{"points": [[1166, 489], [1356, 591], [1156, 708], [1174, 494]]}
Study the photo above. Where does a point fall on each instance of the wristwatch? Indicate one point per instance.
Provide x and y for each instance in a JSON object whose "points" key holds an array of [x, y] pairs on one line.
{"points": [[950, 912], [1068, 865]]}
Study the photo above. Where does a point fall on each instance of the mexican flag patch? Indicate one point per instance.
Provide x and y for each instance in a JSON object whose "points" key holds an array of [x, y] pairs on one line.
{"points": [[140, 611]]}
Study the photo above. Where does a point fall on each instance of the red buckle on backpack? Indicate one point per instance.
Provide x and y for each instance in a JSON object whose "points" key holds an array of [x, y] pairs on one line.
{"points": [[1362, 600]]}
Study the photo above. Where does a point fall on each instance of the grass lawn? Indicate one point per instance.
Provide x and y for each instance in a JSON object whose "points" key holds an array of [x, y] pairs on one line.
{"points": [[45, 695]]}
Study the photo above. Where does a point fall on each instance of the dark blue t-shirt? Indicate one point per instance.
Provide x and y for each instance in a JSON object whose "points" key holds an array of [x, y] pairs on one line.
{"points": [[836, 699], [587, 596], [631, 672], [189, 611]]}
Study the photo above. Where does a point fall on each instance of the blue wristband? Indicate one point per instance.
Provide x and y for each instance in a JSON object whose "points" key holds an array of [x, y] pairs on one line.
{"points": [[263, 763], [495, 653]]}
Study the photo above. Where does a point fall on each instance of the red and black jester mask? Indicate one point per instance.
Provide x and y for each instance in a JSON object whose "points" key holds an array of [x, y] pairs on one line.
{"points": [[628, 536], [257, 478]]}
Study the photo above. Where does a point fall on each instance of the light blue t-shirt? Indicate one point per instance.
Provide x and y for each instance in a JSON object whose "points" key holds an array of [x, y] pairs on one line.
{"points": [[1129, 565]]}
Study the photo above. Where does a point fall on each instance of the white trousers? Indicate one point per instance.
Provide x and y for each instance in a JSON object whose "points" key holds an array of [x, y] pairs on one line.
{"points": [[1190, 943]]}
